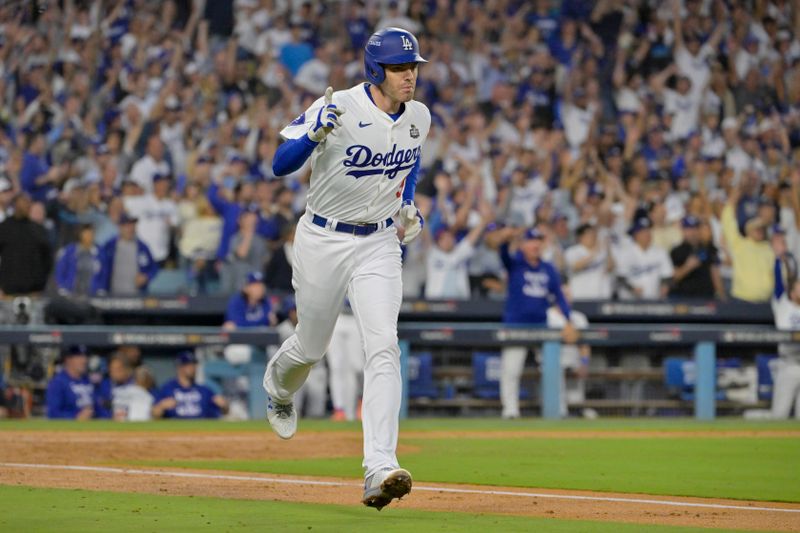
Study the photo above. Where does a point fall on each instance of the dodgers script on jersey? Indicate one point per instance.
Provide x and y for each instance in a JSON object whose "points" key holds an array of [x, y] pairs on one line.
{"points": [[358, 171]]}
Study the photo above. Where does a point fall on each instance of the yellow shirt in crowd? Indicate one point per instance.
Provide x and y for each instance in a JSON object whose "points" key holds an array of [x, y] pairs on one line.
{"points": [[753, 262]]}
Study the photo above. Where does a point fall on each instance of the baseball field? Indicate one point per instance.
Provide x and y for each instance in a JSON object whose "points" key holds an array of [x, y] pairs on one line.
{"points": [[470, 475]]}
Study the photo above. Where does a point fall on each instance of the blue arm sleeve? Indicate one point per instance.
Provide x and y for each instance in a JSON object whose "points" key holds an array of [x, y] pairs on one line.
{"points": [[778, 279], [411, 182], [219, 204], [291, 155], [505, 257], [555, 289]]}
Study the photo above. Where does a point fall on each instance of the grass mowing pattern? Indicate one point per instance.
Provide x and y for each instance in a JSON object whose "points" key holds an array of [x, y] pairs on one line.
{"points": [[762, 468], [79, 511]]}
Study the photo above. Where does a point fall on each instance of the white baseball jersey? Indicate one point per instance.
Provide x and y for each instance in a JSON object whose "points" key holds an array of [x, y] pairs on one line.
{"points": [[447, 273], [358, 171], [156, 218], [644, 269], [132, 400], [594, 281]]}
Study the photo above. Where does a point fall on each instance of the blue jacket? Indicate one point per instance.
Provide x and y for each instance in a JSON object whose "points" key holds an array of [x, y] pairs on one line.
{"points": [[531, 290], [104, 398], [245, 316], [230, 211], [147, 266], [34, 167], [66, 397], [193, 402], [67, 268]]}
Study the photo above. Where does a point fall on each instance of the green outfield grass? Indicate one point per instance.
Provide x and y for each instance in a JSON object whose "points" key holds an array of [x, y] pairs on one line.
{"points": [[753, 468], [34, 510]]}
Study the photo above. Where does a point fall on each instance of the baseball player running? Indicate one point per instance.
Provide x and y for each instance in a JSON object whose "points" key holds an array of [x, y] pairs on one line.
{"points": [[364, 166]]}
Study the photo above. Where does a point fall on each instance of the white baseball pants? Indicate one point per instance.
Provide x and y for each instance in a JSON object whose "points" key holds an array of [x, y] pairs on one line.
{"points": [[785, 389], [327, 265], [512, 362], [345, 364]]}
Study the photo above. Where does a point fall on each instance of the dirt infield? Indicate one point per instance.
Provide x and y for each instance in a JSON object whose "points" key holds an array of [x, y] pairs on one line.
{"points": [[62, 460]]}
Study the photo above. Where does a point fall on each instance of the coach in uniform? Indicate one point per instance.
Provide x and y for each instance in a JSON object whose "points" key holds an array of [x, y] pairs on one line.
{"points": [[70, 394], [183, 398], [533, 284]]}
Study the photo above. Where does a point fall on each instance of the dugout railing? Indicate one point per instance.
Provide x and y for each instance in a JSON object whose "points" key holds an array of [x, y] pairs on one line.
{"points": [[702, 340]]}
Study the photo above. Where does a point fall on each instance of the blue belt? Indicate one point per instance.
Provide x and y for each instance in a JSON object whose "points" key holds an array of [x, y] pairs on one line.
{"points": [[352, 229]]}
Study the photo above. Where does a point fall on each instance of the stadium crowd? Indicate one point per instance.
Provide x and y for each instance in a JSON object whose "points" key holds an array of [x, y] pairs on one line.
{"points": [[654, 145]]}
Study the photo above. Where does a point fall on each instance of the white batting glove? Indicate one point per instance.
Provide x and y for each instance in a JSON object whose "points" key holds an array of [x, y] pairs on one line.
{"points": [[327, 118], [412, 221]]}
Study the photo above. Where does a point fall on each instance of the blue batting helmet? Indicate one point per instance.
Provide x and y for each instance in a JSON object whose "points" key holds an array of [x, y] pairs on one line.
{"points": [[389, 46]]}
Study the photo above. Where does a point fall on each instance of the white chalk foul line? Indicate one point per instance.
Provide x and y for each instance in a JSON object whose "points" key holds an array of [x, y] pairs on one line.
{"points": [[289, 481]]}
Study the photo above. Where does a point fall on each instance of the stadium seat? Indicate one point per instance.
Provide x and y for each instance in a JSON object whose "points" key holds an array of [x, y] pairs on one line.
{"points": [[763, 367], [679, 375], [486, 376], [420, 376]]}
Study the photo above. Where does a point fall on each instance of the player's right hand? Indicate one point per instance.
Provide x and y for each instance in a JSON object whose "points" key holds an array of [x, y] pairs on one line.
{"points": [[327, 118]]}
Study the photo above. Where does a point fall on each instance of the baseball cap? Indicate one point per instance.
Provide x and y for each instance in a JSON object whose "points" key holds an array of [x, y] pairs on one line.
{"points": [[75, 350], [690, 221], [640, 224], [127, 219], [255, 277], [186, 357], [533, 233], [494, 226], [595, 189], [160, 177], [583, 228], [205, 158], [441, 230], [777, 229]]}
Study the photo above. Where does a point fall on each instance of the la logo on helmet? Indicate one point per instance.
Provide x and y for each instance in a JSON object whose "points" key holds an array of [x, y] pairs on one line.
{"points": [[407, 45]]}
